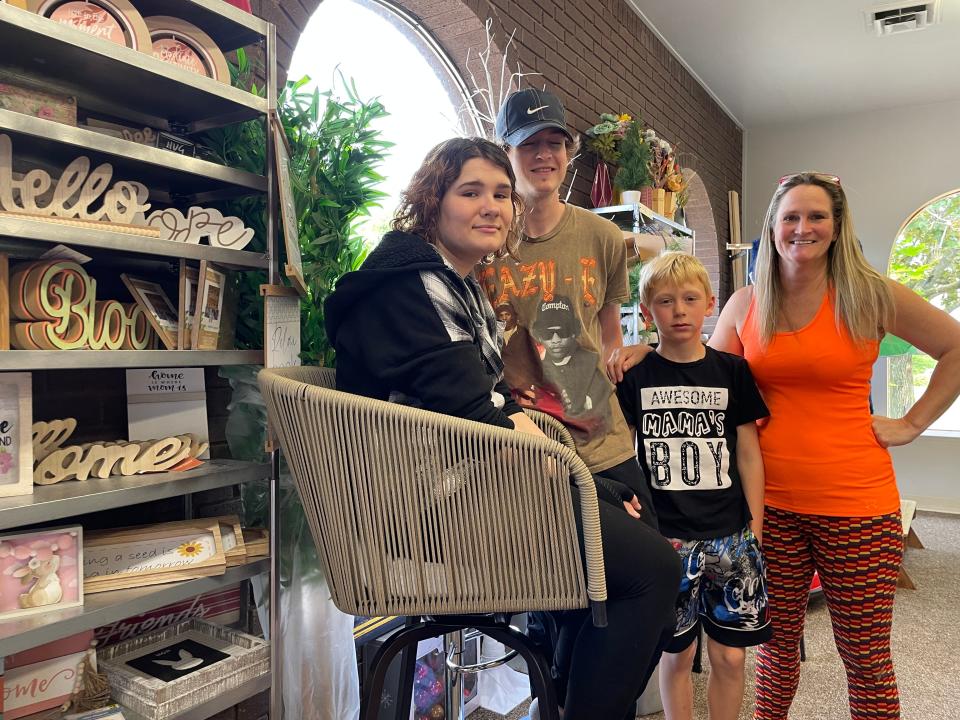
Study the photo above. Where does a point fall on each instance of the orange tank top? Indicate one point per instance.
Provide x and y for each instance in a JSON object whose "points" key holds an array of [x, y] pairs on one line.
{"points": [[820, 455]]}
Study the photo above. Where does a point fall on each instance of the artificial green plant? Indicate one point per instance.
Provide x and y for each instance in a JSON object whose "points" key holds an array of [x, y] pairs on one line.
{"points": [[334, 155]]}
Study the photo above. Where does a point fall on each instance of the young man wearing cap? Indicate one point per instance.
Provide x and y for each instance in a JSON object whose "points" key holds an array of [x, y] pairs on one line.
{"points": [[573, 258], [568, 251]]}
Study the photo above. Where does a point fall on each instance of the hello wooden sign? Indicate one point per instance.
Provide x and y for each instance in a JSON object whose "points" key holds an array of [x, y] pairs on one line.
{"points": [[73, 193], [54, 306]]}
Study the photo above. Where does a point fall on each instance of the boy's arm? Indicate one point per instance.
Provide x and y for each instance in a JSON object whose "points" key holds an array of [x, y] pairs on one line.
{"points": [[750, 466]]}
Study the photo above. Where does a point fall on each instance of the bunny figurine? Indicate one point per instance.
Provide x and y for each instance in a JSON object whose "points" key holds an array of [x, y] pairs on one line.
{"points": [[46, 590]]}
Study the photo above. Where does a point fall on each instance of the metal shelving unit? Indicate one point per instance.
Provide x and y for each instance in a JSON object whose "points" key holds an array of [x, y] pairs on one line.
{"points": [[133, 85], [104, 608], [638, 215], [118, 80], [69, 498]]}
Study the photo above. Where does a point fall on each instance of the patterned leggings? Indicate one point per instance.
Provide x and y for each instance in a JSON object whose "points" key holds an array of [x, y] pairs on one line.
{"points": [[858, 560]]}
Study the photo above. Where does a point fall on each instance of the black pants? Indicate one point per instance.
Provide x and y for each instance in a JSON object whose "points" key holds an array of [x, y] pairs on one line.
{"points": [[601, 671]]}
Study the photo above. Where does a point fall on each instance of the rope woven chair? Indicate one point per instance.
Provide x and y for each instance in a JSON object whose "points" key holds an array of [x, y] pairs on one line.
{"points": [[444, 520]]}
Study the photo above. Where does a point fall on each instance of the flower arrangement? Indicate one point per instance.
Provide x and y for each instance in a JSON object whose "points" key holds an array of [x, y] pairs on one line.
{"points": [[605, 137], [665, 171]]}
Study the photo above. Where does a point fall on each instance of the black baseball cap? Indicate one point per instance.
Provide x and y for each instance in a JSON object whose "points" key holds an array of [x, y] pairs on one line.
{"points": [[527, 112]]}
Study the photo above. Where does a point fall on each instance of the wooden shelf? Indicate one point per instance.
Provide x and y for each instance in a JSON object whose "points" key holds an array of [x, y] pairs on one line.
{"points": [[29, 360]]}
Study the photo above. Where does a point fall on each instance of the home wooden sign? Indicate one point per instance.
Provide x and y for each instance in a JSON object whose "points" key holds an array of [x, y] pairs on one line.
{"points": [[152, 554], [54, 306]]}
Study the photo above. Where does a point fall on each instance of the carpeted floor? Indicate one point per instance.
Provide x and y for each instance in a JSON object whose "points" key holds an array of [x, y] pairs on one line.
{"points": [[926, 642]]}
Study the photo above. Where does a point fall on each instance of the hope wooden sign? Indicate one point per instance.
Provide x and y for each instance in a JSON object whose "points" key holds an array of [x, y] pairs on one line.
{"points": [[53, 306], [199, 223], [75, 191]]}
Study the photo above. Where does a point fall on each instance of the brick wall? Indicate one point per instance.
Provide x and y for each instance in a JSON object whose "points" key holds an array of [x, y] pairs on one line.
{"points": [[597, 57]]}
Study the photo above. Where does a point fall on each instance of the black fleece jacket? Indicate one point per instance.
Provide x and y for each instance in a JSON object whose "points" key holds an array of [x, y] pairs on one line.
{"points": [[395, 342]]}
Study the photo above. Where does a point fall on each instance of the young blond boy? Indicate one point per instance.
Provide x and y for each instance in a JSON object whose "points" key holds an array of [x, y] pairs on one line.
{"points": [[694, 411]]}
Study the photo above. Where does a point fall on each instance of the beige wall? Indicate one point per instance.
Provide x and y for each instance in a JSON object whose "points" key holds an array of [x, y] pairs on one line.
{"points": [[890, 162]]}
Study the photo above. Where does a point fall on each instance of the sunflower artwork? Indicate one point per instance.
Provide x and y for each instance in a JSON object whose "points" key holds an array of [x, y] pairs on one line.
{"points": [[154, 554]]}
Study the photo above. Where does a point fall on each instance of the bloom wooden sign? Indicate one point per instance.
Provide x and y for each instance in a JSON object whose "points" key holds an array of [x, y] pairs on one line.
{"points": [[54, 306], [153, 554]]}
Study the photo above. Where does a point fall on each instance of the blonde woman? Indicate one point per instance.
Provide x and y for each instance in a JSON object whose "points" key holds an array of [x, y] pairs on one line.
{"points": [[810, 330]]}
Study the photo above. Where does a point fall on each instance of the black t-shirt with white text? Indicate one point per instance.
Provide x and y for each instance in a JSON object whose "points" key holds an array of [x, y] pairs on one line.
{"points": [[686, 416]]}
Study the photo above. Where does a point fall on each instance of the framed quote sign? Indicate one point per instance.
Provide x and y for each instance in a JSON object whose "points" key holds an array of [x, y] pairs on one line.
{"points": [[293, 268], [114, 20], [152, 554], [160, 312], [16, 434], [281, 326]]}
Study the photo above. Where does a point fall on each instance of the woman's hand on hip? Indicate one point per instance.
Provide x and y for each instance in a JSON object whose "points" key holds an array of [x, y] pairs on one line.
{"points": [[632, 506], [892, 432]]}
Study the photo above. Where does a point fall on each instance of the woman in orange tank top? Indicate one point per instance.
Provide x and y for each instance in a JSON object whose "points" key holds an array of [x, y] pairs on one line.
{"points": [[810, 330]]}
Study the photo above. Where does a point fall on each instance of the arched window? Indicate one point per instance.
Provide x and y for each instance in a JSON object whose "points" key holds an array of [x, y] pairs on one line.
{"points": [[399, 62], [925, 258]]}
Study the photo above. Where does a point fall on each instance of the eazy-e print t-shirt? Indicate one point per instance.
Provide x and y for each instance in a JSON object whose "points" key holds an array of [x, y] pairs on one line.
{"points": [[549, 299], [686, 416]]}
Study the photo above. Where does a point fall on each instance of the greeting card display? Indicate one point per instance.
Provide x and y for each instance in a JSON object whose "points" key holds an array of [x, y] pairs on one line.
{"points": [[41, 571], [114, 20], [56, 304], [185, 45], [16, 448], [167, 672], [160, 312]]}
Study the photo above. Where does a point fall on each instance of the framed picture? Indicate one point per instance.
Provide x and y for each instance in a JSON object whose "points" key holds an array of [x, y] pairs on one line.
{"points": [[164, 673], [114, 20], [189, 282], [293, 268], [208, 308], [231, 533], [153, 554], [160, 312], [183, 44], [41, 571], [16, 434]]}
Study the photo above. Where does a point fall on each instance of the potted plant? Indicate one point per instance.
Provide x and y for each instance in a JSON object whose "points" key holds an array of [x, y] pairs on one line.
{"points": [[634, 171], [604, 140]]}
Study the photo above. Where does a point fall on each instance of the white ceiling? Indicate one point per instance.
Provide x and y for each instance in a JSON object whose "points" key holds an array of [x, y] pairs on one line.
{"points": [[776, 61]]}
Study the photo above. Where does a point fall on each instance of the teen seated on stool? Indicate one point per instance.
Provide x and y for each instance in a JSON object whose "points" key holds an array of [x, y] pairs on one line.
{"points": [[413, 326], [694, 410]]}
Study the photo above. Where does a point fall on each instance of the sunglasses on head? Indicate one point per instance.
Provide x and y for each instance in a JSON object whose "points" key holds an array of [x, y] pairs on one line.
{"points": [[825, 177]]}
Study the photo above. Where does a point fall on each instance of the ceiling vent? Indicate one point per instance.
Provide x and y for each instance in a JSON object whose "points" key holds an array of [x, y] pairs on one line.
{"points": [[896, 18]]}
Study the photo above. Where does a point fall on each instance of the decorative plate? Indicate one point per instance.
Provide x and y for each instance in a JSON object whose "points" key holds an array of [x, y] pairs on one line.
{"points": [[115, 20], [185, 45]]}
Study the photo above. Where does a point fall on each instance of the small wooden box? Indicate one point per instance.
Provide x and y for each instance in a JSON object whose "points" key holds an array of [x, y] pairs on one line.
{"points": [[39, 103]]}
